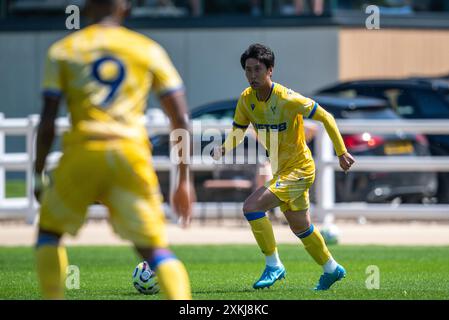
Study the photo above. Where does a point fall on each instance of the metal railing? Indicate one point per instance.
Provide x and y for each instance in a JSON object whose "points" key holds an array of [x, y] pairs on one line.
{"points": [[326, 164]]}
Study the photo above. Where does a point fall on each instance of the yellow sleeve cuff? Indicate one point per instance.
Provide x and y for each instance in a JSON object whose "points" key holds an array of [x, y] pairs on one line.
{"points": [[332, 130]]}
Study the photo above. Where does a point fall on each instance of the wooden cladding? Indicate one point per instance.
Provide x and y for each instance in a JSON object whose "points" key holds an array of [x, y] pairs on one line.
{"points": [[392, 53]]}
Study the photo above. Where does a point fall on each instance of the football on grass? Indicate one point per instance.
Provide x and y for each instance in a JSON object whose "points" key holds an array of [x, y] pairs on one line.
{"points": [[144, 279], [331, 234]]}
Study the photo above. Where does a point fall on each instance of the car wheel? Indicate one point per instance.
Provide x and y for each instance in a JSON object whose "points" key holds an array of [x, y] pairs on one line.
{"points": [[412, 199]]}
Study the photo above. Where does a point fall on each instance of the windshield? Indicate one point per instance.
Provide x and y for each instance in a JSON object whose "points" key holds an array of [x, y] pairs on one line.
{"points": [[216, 115], [446, 96], [377, 113]]}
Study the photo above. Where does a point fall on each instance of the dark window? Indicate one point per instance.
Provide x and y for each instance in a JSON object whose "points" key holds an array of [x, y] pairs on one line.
{"points": [[403, 103], [377, 113], [346, 93], [431, 104], [216, 115], [446, 96], [400, 100]]}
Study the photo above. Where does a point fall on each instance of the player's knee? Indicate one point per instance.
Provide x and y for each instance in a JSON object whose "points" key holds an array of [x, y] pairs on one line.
{"points": [[300, 225], [47, 238], [299, 221], [299, 228], [249, 206]]}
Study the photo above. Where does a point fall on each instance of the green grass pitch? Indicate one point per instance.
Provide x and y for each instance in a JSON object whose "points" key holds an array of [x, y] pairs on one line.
{"points": [[228, 272], [15, 188]]}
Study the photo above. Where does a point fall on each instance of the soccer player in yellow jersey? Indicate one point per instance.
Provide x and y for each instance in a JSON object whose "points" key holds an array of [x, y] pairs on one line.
{"points": [[105, 72], [277, 113]]}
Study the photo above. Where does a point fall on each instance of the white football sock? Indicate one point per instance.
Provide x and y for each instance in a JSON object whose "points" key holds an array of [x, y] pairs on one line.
{"points": [[330, 265], [273, 260]]}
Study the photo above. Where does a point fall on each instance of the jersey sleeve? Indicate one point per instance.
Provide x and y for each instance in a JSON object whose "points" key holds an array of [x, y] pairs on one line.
{"points": [[305, 106], [241, 121], [332, 130], [166, 78], [310, 109], [239, 126], [52, 82]]}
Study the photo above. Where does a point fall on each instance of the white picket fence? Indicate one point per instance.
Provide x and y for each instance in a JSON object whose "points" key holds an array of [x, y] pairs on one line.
{"points": [[325, 160]]}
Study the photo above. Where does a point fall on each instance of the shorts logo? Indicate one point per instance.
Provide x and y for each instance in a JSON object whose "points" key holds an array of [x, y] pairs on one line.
{"points": [[278, 184], [273, 109], [253, 106]]}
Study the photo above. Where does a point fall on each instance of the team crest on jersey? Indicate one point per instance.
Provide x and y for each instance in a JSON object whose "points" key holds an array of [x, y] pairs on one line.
{"points": [[253, 106], [278, 183]]}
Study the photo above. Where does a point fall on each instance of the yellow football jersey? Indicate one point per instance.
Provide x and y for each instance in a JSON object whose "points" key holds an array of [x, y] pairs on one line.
{"points": [[105, 74], [279, 125]]}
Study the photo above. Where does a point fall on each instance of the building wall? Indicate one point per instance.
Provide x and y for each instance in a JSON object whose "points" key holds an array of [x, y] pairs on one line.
{"points": [[392, 53], [307, 58], [208, 61]]}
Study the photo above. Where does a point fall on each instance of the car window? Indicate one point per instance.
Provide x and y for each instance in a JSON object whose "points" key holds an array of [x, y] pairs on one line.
{"points": [[412, 103], [216, 115], [375, 92], [402, 102], [345, 93], [431, 104], [374, 113]]}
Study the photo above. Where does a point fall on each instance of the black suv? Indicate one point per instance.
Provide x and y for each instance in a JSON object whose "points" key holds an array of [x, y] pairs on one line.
{"points": [[413, 98]]}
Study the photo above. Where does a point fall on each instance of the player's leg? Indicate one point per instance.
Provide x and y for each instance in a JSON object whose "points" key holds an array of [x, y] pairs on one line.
{"points": [[63, 209], [172, 274], [300, 224], [135, 206], [142, 221], [254, 209], [51, 263]]}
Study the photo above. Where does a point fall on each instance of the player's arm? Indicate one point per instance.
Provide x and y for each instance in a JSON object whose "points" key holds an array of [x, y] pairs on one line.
{"points": [[170, 89], [236, 136], [44, 140], [345, 158], [52, 93], [175, 106]]}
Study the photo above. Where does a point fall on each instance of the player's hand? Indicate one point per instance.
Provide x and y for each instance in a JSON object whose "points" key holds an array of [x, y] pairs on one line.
{"points": [[41, 181], [346, 161], [182, 202], [217, 152]]}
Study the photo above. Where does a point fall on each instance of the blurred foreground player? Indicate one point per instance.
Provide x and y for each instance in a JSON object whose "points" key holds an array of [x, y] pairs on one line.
{"points": [[105, 73], [276, 114]]}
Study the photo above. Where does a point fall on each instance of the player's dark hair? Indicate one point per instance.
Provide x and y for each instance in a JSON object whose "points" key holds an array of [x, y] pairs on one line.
{"points": [[103, 2], [259, 52], [97, 10]]}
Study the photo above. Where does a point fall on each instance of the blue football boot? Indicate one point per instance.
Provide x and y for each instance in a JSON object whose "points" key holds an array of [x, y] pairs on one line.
{"points": [[328, 279], [269, 276]]}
